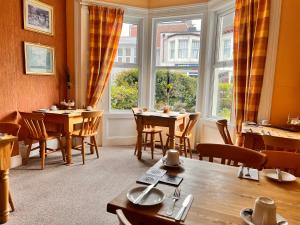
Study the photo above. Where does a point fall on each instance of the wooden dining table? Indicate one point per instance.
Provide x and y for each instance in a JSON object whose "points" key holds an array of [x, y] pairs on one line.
{"points": [[219, 196], [160, 119], [6, 143], [67, 119]]}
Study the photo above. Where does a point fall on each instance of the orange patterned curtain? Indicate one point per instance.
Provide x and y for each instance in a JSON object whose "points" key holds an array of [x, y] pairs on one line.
{"points": [[105, 25], [251, 29]]}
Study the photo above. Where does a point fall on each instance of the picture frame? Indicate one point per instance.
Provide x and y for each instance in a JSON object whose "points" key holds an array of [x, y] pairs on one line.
{"points": [[39, 59], [38, 17]]}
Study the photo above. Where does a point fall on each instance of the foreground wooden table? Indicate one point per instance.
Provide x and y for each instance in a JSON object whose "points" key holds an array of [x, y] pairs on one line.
{"points": [[157, 119], [66, 118], [5, 153], [218, 196]]}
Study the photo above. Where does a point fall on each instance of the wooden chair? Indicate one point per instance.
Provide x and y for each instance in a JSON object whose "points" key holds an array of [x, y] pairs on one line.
{"points": [[185, 135], [281, 143], [223, 129], [89, 128], [232, 155], [286, 161], [12, 129], [122, 219], [37, 132], [149, 131]]}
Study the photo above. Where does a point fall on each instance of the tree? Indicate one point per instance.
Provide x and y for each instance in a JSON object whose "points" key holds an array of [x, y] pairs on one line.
{"points": [[173, 88]]}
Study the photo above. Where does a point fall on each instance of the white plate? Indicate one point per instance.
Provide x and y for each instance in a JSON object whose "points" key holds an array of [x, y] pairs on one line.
{"points": [[246, 215], [172, 166], [154, 197], [43, 110], [286, 177]]}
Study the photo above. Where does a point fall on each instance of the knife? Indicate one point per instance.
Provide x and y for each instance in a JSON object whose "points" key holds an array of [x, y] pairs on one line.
{"points": [[142, 195], [279, 175], [184, 205]]}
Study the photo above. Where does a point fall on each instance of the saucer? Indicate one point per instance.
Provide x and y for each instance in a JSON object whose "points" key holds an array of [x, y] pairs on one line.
{"points": [[164, 161], [286, 177], [246, 215]]}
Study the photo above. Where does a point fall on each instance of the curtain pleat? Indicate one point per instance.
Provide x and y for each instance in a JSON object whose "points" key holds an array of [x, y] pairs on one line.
{"points": [[105, 27]]}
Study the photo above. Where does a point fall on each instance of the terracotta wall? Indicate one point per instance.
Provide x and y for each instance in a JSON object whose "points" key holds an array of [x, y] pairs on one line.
{"points": [[20, 92], [286, 95]]}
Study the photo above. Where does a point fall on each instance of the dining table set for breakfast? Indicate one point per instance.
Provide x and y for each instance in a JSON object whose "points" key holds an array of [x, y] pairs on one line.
{"points": [[178, 190]]}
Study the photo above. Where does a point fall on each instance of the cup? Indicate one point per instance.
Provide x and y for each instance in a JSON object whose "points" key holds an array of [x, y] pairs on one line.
{"points": [[89, 108], [172, 157], [53, 107], [265, 122], [264, 211], [182, 111]]}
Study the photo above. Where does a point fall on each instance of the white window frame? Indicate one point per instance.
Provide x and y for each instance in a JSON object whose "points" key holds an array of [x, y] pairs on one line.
{"points": [[181, 15], [138, 64], [215, 63]]}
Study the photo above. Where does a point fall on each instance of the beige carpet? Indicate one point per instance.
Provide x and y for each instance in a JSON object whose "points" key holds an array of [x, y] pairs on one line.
{"points": [[77, 194]]}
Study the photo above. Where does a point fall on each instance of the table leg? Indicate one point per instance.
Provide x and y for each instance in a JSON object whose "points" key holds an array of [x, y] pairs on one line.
{"points": [[140, 137], [91, 146], [68, 148], [4, 204], [172, 136]]}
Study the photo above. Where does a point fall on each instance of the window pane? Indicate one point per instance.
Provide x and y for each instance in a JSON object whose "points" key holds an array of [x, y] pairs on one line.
{"points": [[124, 88], [222, 92], [225, 37], [127, 43], [176, 88], [195, 49], [174, 40]]}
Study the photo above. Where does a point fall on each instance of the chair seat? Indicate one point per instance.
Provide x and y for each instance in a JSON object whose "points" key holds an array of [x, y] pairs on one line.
{"points": [[152, 130], [76, 133]]}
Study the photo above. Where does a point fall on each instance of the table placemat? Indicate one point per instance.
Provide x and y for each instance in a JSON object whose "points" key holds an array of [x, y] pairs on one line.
{"points": [[254, 174]]}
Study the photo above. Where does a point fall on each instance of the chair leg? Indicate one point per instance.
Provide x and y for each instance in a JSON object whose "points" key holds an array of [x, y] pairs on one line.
{"points": [[43, 149], [184, 147], [146, 142], [95, 145], [152, 145], [189, 147], [135, 150], [181, 147], [11, 203], [167, 144], [28, 152], [162, 144], [83, 151]]}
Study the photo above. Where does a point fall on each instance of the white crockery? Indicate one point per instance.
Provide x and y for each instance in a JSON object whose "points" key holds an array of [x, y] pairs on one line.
{"points": [[53, 107], [285, 177], [172, 158], [154, 197], [264, 212]]}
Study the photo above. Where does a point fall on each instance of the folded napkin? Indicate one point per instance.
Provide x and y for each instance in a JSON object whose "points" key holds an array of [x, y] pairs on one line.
{"points": [[243, 173], [168, 203]]}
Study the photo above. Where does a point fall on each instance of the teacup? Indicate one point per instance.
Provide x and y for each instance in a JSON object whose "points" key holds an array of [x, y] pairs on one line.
{"points": [[182, 111], [53, 107], [172, 157], [264, 211], [89, 108]]}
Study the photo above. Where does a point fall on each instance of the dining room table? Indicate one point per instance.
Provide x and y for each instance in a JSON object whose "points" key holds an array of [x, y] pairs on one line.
{"points": [[161, 119], [6, 143], [219, 196], [66, 119]]}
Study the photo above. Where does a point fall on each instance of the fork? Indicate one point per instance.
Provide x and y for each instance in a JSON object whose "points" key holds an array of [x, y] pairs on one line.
{"points": [[175, 197]]}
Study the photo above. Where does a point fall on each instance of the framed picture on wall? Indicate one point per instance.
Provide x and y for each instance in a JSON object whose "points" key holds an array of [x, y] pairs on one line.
{"points": [[38, 16], [39, 59]]}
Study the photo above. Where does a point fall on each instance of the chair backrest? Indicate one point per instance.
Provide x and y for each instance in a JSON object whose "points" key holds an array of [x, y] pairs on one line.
{"points": [[193, 118], [232, 155], [10, 128], [223, 129], [281, 143], [286, 161], [90, 122], [122, 219], [35, 125]]}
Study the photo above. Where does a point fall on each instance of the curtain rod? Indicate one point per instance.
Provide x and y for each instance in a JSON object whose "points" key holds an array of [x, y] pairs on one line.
{"points": [[98, 3]]}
